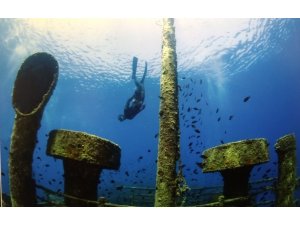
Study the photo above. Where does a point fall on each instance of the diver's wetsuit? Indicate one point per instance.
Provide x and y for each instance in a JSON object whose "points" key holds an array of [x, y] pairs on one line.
{"points": [[135, 103]]}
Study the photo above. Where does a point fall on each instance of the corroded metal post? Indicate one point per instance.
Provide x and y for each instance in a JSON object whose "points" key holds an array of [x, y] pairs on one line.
{"points": [[84, 157], [286, 151], [168, 150], [235, 161], [34, 84]]}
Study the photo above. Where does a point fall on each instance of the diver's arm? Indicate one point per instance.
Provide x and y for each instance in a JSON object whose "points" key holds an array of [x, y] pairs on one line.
{"points": [[128, 102]]}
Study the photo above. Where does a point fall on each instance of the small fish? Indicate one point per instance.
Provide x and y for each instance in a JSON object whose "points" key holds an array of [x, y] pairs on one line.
{"points": [[246, 98], [262, 198], [119, 188], [230, 117], [201, 81], [268, 171], [2, 174], [53, 180], [140, 158], [112, 181], [195, 171], [38, 158], [190, 144], [189, 109], [179, 87], [199, 164], [5, 148], [197, 130], [50, 182], [222, 142], [217, 110], [155, 136], [265, 176], [149, 150], [47, 165], [198, 100], [219, 119]]}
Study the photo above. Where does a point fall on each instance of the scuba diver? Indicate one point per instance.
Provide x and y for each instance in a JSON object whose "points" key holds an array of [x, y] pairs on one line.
{"points": [[135, 104]]}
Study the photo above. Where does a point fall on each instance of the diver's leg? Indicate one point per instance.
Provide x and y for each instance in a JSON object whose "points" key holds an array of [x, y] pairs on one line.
{"points": [[145, 72], [134, 66]]}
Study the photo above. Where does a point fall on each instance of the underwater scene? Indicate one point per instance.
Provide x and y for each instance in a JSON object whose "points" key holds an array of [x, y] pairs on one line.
{"points": [[150, 112]]}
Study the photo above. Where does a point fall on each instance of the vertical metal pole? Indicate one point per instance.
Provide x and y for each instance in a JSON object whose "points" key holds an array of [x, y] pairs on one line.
{"points": [[286, 150], [168, 150]]}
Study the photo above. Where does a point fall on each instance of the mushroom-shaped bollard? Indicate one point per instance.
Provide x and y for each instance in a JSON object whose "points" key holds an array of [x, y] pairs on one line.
{"points": [[84, 156], [33, 87], [235, 161]]}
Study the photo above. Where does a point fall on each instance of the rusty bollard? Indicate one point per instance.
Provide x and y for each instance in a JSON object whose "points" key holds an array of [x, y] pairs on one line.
{"points": [[84, 157], [235, 161]]}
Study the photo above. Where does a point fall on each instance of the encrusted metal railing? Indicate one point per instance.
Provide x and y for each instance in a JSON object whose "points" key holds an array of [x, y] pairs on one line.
{"points": [[197, 197]]}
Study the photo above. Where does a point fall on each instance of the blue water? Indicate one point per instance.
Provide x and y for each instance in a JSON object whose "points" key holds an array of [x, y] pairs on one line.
{"points": [[233, 58]]}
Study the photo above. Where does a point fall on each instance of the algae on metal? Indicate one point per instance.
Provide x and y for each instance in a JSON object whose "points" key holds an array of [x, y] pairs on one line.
{"points": [[287, 180], [84, 156], [84, 147], [235, 161], [168, 151], [235, 154], [35, 82]]}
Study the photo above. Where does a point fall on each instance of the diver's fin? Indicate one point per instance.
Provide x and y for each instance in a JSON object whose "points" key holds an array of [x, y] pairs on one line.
{"points": [[145, 72], [134, 66]]}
